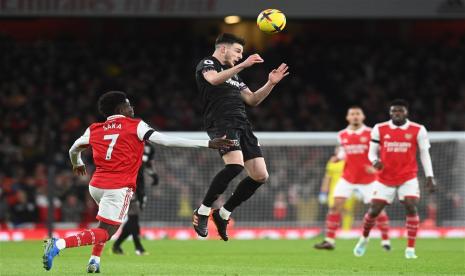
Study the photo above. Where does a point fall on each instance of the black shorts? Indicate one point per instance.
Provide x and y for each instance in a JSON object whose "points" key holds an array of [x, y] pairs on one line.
{"points": [[247, 142]]}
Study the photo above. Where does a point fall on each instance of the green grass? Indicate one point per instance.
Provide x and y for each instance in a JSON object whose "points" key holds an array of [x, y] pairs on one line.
{"points": [[239, 257]]}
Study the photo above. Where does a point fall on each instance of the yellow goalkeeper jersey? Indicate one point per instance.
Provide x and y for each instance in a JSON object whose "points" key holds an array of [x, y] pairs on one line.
{"points": [[334, 172]]}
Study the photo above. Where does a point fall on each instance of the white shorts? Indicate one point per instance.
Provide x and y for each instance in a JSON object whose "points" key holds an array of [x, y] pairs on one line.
{"points": [[388, 193], [112, 204], [345, 189]]}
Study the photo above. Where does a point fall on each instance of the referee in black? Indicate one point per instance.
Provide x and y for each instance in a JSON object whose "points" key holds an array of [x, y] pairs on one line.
{"points": [[224, 96], [131, 226]]}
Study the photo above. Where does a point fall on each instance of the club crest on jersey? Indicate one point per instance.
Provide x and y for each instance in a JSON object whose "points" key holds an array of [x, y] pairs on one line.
{"points": [[112, 126], [408, 136], [387, 136], [363, 139]]}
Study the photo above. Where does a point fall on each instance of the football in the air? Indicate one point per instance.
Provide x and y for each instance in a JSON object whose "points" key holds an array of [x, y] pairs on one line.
{"points": [[271, 21]]}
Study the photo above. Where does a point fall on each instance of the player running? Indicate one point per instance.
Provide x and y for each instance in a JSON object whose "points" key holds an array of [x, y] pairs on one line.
{"points": [[358, 176], [224, 96], [393, 151], [118, 145]]}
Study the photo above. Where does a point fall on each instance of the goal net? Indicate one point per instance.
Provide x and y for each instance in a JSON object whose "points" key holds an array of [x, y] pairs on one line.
{"points": [[296, 163]]}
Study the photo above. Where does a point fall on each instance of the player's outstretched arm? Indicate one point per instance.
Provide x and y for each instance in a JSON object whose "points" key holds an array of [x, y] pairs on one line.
{"points": [[75, 153], [275, 76], [171, 141], [217, 78]]}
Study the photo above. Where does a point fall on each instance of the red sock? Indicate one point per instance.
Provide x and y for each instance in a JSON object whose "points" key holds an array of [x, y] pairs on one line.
{"points": [[332, 223], [368, 223], [382, 221], [412, 223], [97, 249], [87, 237]]}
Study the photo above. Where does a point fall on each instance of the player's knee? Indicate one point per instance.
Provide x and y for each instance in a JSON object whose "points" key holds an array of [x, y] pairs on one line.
{"points": [[411, 209], [261, 177], [338, 207]]}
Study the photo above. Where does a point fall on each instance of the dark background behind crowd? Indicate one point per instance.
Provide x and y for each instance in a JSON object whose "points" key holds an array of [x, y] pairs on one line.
{"points": [[53, 71]]}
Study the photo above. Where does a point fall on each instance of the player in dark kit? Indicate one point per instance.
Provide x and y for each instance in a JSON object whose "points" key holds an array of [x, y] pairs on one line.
{"points": [[224, 96]]}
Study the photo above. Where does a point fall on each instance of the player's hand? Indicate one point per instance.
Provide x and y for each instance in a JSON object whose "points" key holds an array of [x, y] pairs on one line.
{"points": [[378, 165], [251, 60], [431, 184], [79, 170], [334, 159], [278, 74], [221, 143], [370, 169], [323, 198]]}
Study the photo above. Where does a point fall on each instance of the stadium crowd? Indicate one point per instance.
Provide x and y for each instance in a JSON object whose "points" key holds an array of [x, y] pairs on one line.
{"points": [[49, 91]]}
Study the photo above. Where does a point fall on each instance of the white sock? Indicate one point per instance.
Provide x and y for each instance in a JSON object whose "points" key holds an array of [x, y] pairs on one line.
{"points": [[410, 249], [330, 240], [385, 242], [61, 244], [204, 210], [96, 258], [224, 213]]}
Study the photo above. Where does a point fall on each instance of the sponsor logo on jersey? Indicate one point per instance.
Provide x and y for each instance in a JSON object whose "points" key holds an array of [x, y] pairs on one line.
{"points": [[356, 149], [401, 147]]}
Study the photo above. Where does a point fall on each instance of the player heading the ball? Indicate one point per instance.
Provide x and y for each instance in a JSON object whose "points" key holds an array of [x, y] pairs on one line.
{"points": [[224, 96]]}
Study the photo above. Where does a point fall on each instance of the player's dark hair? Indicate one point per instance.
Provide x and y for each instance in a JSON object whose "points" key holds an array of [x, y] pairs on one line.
{"points": [[355, 107], [229, 39], [399, 102], [108, 102]]}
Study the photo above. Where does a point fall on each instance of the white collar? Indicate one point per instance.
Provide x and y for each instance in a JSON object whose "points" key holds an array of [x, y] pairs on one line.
{"points": [[403, 127], [357, 131], [115, 116]]}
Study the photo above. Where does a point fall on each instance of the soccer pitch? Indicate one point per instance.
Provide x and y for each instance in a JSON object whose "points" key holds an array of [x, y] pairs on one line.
{"points": [[243, 257]]}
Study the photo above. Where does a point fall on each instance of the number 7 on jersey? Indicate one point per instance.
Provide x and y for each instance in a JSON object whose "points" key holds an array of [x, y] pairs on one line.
{"points": [[113, 138]]}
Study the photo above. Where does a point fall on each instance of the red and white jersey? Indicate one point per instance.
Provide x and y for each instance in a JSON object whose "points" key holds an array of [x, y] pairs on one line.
{"points": [[118, 146], [355, 146], [398, 147]]}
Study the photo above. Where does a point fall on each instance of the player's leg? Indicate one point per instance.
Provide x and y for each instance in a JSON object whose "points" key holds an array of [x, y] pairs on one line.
{"points": [[382, 196], [333, 221], [125, 232], [135, 231], [234, 165], [127, 229], [90, 236], [342, 191], [382, 220], [409, 195], [257, 175]]}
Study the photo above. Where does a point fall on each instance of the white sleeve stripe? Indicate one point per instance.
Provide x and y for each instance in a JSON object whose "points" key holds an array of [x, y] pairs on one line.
{"points": [[142, 129]]}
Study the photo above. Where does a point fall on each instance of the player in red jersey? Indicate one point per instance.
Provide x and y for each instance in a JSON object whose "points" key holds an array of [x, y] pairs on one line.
{"points": [[393, 151], [358, 176], [118, 145]]}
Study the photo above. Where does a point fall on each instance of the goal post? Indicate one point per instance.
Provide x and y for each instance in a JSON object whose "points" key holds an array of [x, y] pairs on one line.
{"points": [[296, 162]]}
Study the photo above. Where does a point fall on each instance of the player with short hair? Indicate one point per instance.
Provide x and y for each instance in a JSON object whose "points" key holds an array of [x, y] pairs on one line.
{"points": [[393, 151], [117, 145], [358, 176], [224, 96]]}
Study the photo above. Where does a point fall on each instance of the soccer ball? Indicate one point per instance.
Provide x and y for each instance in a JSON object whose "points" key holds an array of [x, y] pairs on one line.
{"points": [[271, 21]]}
